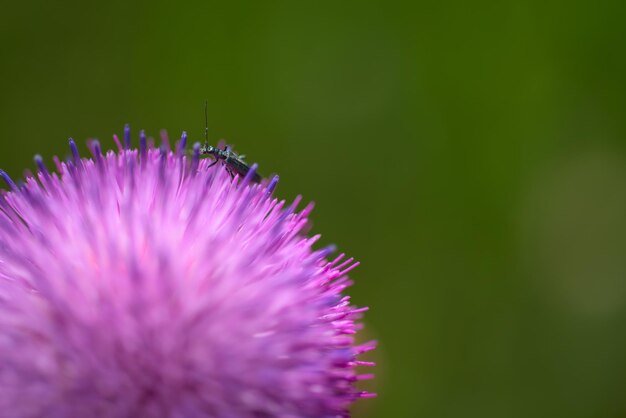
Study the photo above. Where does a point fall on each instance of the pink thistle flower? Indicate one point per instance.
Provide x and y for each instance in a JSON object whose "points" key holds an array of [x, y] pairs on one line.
{"points": [[144, 284]]}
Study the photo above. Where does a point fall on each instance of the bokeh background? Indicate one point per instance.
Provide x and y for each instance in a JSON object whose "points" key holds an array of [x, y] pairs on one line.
{"points": [[471, 154]]}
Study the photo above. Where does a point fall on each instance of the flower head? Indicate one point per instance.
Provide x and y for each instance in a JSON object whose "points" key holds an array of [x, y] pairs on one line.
{"points": [[143, 283]]}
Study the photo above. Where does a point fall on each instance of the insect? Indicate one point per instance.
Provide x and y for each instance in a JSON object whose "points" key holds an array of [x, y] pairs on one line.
{"points": [[234, 163]]}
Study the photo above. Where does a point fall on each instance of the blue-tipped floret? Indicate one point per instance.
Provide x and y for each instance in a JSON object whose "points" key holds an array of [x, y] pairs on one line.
{"points": [[250, 174], [326, 251], [96, 150], [143, 146], [195, 159], [272, 185], [127, 136], [183, 143], [8, 180], [41, 166], [75, 153]]}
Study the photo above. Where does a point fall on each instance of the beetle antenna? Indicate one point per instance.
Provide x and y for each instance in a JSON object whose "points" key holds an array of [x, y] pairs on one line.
{"points": [[206, 123]]}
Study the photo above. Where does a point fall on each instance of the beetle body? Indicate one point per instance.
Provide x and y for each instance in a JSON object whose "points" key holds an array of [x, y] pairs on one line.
{"points": [[233, 162]]}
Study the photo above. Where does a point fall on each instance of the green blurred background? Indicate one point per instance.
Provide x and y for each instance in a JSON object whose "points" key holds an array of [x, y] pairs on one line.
{"points": [[471, 155]]}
